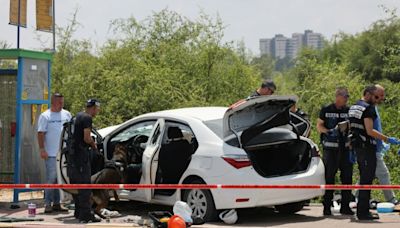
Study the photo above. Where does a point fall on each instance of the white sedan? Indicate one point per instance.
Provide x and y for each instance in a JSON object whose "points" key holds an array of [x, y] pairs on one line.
{"points": [[253, 142]]}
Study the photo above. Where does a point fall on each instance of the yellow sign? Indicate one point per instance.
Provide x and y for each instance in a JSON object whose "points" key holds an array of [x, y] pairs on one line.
{"points": [[34, 113], [44, 15], [14, 12], [24, 95]]}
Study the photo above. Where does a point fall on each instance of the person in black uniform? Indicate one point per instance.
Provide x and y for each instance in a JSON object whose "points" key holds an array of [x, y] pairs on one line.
{"points": [[362, 115], [80, 169], [336, 149], [268, 87]]}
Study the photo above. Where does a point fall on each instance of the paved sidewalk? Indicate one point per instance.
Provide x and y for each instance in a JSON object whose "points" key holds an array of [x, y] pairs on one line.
{"points": [[309, 217]]}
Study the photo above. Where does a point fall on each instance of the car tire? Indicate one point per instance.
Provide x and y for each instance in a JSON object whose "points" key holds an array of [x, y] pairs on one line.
{"points": [[201, 202], [290, 208]]}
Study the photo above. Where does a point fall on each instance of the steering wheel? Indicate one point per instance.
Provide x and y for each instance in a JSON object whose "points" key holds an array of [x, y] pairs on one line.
{"points": [[135, 147]]}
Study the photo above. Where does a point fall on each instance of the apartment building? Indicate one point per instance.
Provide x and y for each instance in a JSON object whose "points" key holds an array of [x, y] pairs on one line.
{"points": [[280, 46]]}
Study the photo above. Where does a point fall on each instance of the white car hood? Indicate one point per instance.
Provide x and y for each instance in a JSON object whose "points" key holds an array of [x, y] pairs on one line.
{"points": [[107, 130]]}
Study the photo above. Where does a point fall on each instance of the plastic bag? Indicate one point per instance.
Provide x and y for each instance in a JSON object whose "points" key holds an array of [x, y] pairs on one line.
{"points": [[183, 210]]}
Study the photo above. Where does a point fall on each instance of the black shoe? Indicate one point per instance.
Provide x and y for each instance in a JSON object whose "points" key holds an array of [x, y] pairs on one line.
{"points": [[369, 216], [91, 220], [327, 211], [346, 211], [76, 214]]}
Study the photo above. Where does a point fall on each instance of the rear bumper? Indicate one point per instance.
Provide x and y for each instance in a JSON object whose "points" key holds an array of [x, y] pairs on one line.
{"points": [[243, 198]]}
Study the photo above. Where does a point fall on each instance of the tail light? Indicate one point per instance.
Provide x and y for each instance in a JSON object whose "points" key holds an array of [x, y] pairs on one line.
{"points": [[237, 161], [315, 152]]}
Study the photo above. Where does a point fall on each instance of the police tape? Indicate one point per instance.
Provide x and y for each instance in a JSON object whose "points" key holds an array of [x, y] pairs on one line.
{"points": [[195, 186]]}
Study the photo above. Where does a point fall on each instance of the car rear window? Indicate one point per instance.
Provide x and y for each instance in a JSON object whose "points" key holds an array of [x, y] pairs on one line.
{"points": [[215, 126]]}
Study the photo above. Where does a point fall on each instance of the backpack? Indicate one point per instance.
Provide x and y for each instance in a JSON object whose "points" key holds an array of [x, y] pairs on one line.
{"points": [[68, 139]]}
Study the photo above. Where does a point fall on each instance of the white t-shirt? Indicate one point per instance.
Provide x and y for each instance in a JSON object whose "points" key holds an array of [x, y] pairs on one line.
{"points": [[52, 124]]}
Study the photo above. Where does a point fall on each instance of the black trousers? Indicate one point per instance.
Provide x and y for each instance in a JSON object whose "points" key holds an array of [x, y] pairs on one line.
{"points": [[80, 174], [335, 160], [366, 159]]}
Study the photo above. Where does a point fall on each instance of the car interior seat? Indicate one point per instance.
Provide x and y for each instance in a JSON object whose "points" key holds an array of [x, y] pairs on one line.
{"points": [[174, 156]]}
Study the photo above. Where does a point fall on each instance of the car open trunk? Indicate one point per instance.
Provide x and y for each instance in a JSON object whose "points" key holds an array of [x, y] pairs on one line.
{"points": [[278, 152], [263, 128]]}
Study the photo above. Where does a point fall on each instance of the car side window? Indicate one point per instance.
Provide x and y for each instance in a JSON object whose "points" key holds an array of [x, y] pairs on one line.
{"points": [[187, 133]]}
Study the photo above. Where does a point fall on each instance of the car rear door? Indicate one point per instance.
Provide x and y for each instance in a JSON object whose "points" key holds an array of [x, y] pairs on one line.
{"points": [[150, 157]]}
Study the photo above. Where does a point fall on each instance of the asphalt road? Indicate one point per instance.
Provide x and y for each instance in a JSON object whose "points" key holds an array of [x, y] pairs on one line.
{"points": [[311, 216]]}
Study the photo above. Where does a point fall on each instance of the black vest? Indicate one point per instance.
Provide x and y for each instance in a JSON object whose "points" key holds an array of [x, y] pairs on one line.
{"points": [[356, 116], [331, 117]]}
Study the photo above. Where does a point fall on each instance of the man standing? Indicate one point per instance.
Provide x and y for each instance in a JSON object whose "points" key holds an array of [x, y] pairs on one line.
{"points": [[336, 149], [268, 87], [79, 170], [382, 172], [50, 125], [362, 116]]}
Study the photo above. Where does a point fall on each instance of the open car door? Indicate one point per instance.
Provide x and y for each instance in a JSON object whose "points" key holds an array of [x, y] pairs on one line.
{"points": [[150, 157]]}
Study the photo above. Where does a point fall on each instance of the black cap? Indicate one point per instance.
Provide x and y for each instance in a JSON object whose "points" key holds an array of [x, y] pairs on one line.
{"points": [[269, 84], [92, 102]]}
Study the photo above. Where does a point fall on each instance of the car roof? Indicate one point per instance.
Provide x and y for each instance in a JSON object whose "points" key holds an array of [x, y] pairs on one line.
{"points": [[200, 113]]}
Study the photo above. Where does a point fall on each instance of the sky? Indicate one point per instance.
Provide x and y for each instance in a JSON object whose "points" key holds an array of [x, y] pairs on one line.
{"points": [[245, 20]]}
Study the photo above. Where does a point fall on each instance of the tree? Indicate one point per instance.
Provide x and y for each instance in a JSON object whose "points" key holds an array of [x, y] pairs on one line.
{"points": [[264, 64], [166, 61]]}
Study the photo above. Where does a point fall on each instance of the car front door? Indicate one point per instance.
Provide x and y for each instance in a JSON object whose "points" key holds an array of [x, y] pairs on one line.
{"points": [[150, 157]]}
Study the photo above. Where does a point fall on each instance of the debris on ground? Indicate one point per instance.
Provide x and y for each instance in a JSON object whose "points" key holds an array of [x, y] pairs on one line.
{"points": [[19, 219]]}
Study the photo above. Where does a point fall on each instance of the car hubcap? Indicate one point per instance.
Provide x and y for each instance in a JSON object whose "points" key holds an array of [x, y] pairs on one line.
{"points": [[197, 202]]}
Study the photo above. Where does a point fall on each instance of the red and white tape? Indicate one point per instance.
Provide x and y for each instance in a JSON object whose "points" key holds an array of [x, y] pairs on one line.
{"points": [[195, 186]]}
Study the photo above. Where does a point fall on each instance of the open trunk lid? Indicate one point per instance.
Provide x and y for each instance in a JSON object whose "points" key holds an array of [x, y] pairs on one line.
{"points": [[256, 125], [248, 118]]}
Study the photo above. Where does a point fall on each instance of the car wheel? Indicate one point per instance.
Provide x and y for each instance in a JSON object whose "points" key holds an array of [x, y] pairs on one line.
{"points": [[290, 208], [201, 202]]}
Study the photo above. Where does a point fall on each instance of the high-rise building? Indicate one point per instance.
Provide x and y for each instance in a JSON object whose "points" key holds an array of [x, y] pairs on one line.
{"points": [[265, 46], [279, 43], [294, 45], [312, 39], [279, 47]]}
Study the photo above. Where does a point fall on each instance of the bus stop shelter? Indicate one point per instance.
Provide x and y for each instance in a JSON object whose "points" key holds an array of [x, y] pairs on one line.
{"points": [[24, 88]]}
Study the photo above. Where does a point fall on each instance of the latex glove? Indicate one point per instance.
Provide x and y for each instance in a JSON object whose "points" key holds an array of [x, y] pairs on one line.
{"points": [[393, 140], [385, 147]]}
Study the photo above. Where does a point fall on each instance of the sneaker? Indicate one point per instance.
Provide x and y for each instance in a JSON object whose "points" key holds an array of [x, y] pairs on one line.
{"points": [[327, 211], [91, 220], [59, 207], [48, 209], [369, 216], [346, 211], [395, 201]]}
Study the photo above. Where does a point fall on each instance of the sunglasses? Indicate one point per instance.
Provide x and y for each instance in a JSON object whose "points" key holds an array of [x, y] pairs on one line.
{"points": [[344, 95]]}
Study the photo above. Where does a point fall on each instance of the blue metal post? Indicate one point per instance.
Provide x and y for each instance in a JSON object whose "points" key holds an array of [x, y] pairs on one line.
{"points": [[18, 128], [49, 82]]}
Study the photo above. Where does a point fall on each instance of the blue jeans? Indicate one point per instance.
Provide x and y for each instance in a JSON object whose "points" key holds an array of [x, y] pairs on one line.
{"points": [[51, 195]]}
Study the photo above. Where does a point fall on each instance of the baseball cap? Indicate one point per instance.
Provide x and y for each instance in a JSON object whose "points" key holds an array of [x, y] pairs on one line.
{"points": [[92, 102], [269, 84]]}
